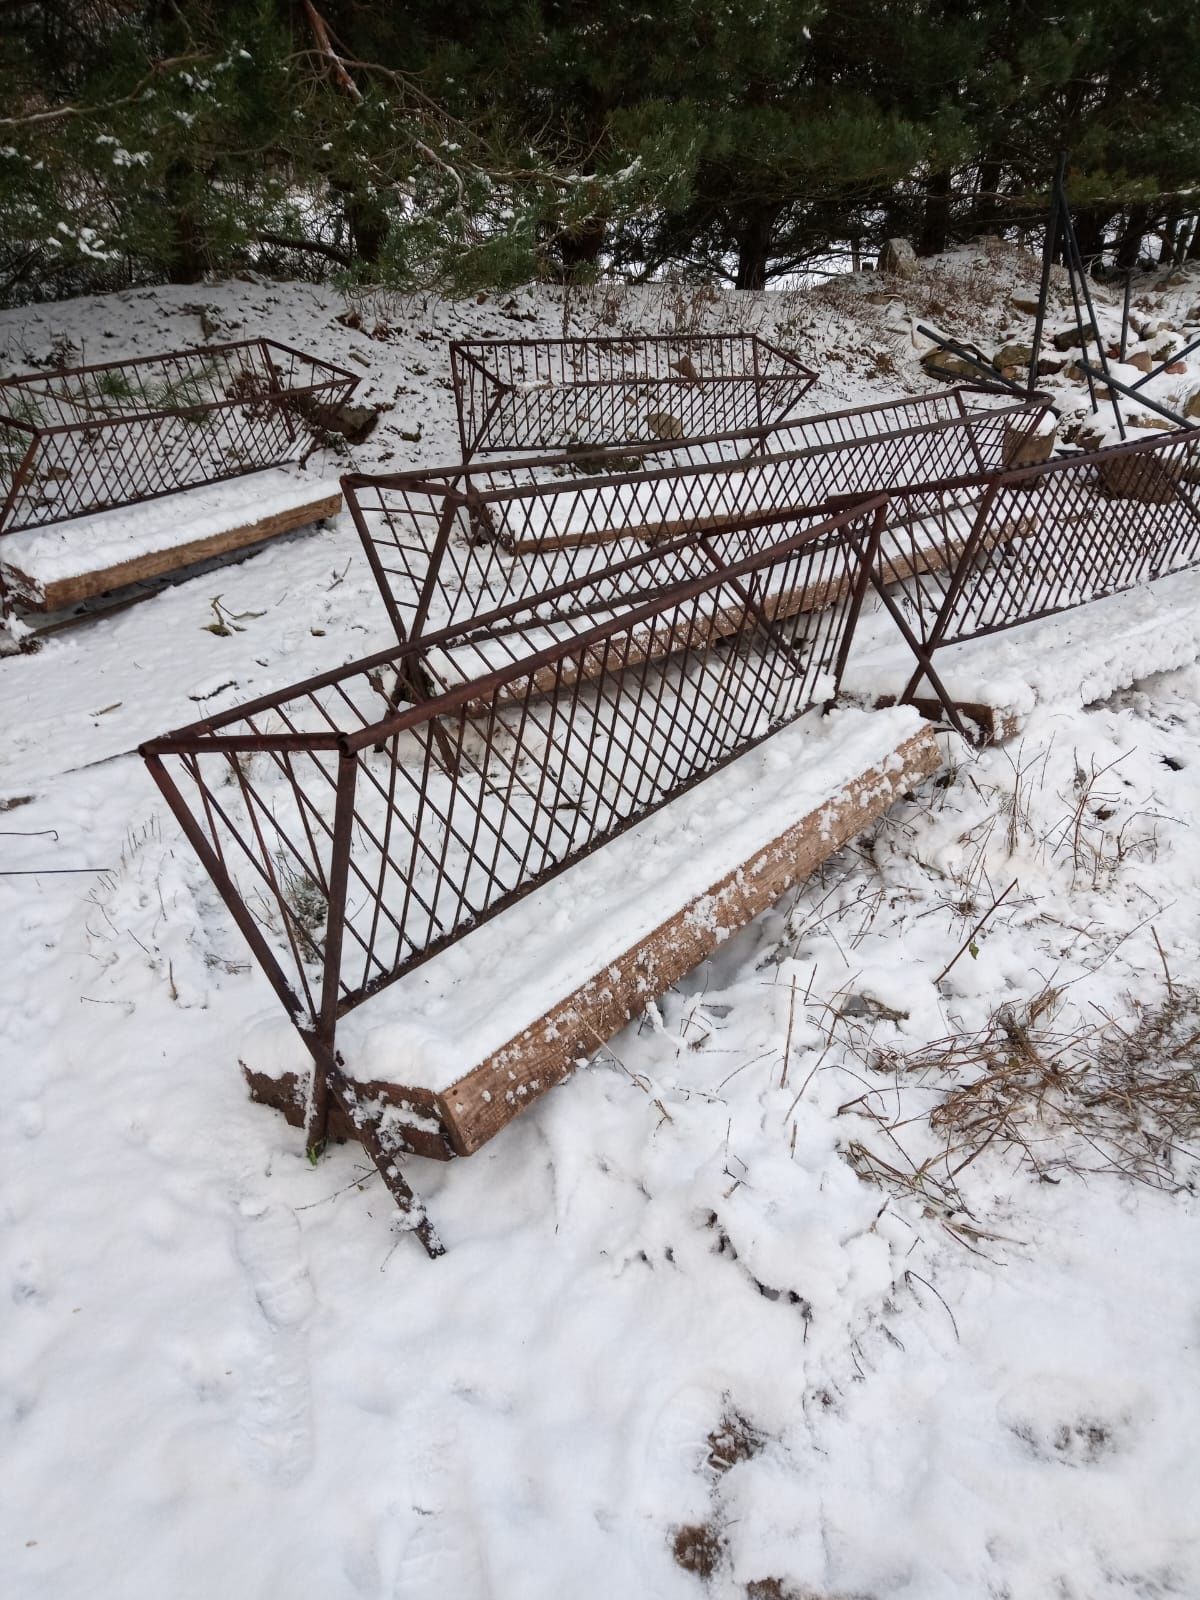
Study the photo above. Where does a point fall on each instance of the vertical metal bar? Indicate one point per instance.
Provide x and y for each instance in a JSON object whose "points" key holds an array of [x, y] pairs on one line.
{"points": [[1047, 262], [867, 561], [19, 480], [276, 391], [758, 404], [1095, 326], [225, 886], [317, 1120], [1125, 311], [456, 383], [453, 501]]}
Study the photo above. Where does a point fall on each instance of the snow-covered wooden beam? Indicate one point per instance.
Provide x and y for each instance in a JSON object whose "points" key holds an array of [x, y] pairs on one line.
{"points": [[439, 1062], [51, 568]]}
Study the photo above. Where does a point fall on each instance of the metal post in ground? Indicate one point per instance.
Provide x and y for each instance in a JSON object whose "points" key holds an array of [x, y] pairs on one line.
{"points": [[1047, 262]]}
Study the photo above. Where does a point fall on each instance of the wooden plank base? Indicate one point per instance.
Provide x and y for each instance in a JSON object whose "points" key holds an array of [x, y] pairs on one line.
{"points": [[995, 724], [38, 595], [494, 1091]]}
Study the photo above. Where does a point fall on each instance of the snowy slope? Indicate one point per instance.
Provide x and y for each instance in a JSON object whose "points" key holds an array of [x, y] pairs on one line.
{"points": [[223, 1371]]}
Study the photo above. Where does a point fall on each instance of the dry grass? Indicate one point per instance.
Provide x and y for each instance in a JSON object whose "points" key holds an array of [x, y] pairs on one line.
{"points": [[1121, 1096], [960, 292]]}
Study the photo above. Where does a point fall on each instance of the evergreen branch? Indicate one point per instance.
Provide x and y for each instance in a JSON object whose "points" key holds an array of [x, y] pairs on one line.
{"points": [[57, 113], [320, 32], [317, 246]]}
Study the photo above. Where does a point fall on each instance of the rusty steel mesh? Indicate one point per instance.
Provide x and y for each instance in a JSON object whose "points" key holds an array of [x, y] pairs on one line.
{"points": [[447, 545], [554, 394], [92, 438], [359, 822], [1048, 538]]}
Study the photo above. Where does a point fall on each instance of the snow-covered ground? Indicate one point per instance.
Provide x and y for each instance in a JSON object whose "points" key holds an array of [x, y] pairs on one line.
{"points": [[727, 1302]]}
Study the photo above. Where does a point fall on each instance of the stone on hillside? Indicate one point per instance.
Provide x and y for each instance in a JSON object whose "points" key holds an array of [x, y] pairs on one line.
{"points": [[1027, 304], [1025, 448], [354, 423], [664, 425], [1013, 355], [1141, 359], [1192, 409], [1148, 478], [1068, 339], [944, 364], [1088, 435], [898, 257]]}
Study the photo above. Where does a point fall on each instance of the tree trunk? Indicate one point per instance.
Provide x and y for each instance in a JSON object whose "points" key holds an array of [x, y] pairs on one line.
{"points": [[935, 224], [987, 198], [754, 248], [1090, 225], [1129, 247], [578, 248], [186, 263], [1170, 229], [368, 224]]}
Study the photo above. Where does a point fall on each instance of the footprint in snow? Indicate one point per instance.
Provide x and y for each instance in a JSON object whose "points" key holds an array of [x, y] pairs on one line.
{"points": [[441, 1553], [28, 1286], [31, 1118], [441, 1556], [277, 1391], [667, 1468]]}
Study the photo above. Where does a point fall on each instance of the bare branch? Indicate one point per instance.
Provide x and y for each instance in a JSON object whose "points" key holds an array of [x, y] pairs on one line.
{"points": [[58, 113], [317, 246], [320, 32]]}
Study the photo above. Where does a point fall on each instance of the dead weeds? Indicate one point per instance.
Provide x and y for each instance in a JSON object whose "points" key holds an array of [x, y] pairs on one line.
{"points": [[734, 1439], [1119, 1096]]}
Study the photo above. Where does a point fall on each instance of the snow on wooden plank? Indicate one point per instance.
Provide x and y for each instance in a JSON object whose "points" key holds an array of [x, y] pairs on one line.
{"points": [[457, 1047], [50, 568], [1073, 658]]}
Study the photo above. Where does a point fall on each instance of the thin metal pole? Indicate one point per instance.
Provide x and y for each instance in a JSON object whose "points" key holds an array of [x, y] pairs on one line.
{"points": [[20, 478], [999, 381], [1069, 225], [1125, 311], [1047, 262], [1162, 366], [317, 1120], [1153, 405]]}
